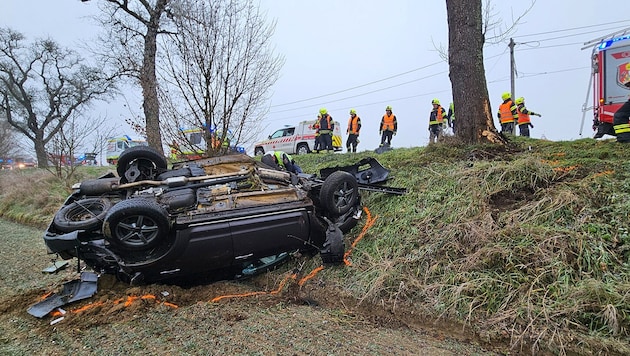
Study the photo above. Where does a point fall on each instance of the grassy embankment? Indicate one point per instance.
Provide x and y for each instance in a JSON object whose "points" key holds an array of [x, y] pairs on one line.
{"points": [[529, 243]]}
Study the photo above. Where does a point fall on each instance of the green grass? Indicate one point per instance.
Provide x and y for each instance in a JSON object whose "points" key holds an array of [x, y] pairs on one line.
{"points": [[529, 242]]}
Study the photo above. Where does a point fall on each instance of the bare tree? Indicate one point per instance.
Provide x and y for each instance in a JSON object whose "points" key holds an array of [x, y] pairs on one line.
{"points": [[43, 85], [217, 72], [131, 46]]}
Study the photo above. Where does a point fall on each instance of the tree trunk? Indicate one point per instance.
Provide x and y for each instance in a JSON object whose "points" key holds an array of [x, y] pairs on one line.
{"points": [[148, 81], [467, 73], [40, 150]]}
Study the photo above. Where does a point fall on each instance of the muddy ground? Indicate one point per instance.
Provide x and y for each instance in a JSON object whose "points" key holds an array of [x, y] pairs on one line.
{"points": [[315, 319]]}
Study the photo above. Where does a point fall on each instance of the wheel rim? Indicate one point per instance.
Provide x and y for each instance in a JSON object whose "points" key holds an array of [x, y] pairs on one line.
{"points": [[137, 231], [343, 196], [85, 212], [140, 169]]}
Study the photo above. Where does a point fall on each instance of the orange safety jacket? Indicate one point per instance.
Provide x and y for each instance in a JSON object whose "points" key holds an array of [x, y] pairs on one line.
{"points": [[389, 123], [523, 115], [437, 116], [354, 125], [507, 112]]}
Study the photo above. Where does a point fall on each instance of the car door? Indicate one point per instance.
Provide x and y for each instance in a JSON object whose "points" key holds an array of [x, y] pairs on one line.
{"points": [[269, 232]]}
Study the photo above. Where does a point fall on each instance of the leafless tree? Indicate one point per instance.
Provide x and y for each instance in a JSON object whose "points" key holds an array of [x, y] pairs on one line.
{"points": [[468, 25], [217, 72], [43, 85], [130, 43]]}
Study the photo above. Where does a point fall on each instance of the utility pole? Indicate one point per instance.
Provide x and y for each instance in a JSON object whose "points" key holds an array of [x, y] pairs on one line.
{"points": [[512, 74]]}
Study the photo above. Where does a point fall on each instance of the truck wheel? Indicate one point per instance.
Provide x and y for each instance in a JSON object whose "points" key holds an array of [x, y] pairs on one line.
{"points": [[259, 151], [302, 149], [339, 193], [85, 214], [136, 224], [140, 163]]}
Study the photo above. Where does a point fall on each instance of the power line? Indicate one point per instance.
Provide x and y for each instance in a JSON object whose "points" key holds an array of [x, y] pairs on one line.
{"points": [[359, 86], [572, 29]]}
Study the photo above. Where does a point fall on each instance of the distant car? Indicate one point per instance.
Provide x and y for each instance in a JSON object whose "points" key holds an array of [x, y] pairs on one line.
{"points": [[150, 223]]}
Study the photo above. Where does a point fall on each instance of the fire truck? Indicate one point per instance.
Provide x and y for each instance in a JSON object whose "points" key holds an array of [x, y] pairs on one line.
{"points": [[610, 69]]}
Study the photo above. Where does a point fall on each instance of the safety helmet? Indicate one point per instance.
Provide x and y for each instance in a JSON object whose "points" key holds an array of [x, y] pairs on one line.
{"points": [[519, 100], [435, 101], [388, 108], [323, 111], [506, 95], [353, 112]]}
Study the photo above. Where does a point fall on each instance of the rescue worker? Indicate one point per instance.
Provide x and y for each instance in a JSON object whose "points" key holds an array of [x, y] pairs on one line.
{"points": [[508, 115], [354, 126], [326, 128], [451, 117], [436, 121], [524, 123], [621, 119], [388, 128], [318, 143], [280, 160]]}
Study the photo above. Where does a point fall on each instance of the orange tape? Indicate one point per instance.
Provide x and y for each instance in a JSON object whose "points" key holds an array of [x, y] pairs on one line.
{"points": [[368, 224]]}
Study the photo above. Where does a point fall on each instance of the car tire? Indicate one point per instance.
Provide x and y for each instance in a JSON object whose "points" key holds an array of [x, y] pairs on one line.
{"points": [[85, 214], [136, 224], [302, 149], [149, 163], [259, 151], [339, 193]]}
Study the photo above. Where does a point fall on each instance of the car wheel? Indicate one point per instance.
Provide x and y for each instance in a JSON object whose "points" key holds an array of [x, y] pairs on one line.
{"points": [[259, 151], [302, 149], [136, 224], [339, 193], [85, 214], [140, 163]]}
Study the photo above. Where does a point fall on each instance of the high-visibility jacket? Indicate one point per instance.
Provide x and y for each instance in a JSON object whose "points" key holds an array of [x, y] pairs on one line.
{"points": [[437, 116], [389, 123], [523, 114], [326, 124], [354, 125], [279, 158], [507, 112], [451, 113]]}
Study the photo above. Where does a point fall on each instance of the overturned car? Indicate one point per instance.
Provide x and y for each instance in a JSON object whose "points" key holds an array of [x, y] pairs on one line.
{"points": [[149, 223]]}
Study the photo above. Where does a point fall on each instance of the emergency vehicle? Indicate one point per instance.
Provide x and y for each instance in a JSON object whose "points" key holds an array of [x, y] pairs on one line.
{"points": [[610, 69], [297, 139], [195, 145], [116, 145]]}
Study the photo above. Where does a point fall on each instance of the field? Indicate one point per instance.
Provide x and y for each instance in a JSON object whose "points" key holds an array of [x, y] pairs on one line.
{"points": [[515, 249]]}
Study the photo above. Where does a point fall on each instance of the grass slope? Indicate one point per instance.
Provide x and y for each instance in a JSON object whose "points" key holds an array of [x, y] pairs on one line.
{"points": [[527, 243]]}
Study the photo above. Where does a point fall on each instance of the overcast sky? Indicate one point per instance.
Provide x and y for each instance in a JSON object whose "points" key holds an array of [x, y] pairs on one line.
{"points": [[367, 54]]}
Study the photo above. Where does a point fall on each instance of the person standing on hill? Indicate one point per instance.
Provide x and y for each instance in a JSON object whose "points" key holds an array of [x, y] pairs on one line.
{"points": [[436, 121], [388, 128], [326, 127], [621, 119], [524, 122], [354, 126], [318, 145], [451, 117], [508, 115]]}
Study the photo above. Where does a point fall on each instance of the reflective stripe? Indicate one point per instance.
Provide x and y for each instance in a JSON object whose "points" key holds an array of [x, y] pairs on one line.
{"points": [[622, 128]]}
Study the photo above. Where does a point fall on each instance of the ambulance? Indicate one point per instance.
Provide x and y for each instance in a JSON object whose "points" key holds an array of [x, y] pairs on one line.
{"points": [[296, 139]]}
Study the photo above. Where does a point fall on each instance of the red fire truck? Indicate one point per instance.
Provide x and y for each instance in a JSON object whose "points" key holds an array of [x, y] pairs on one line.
{"points": [[610, 69]]}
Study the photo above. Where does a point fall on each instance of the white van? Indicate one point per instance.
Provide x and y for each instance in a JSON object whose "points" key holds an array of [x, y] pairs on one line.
{"points": [[298, 139]]}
